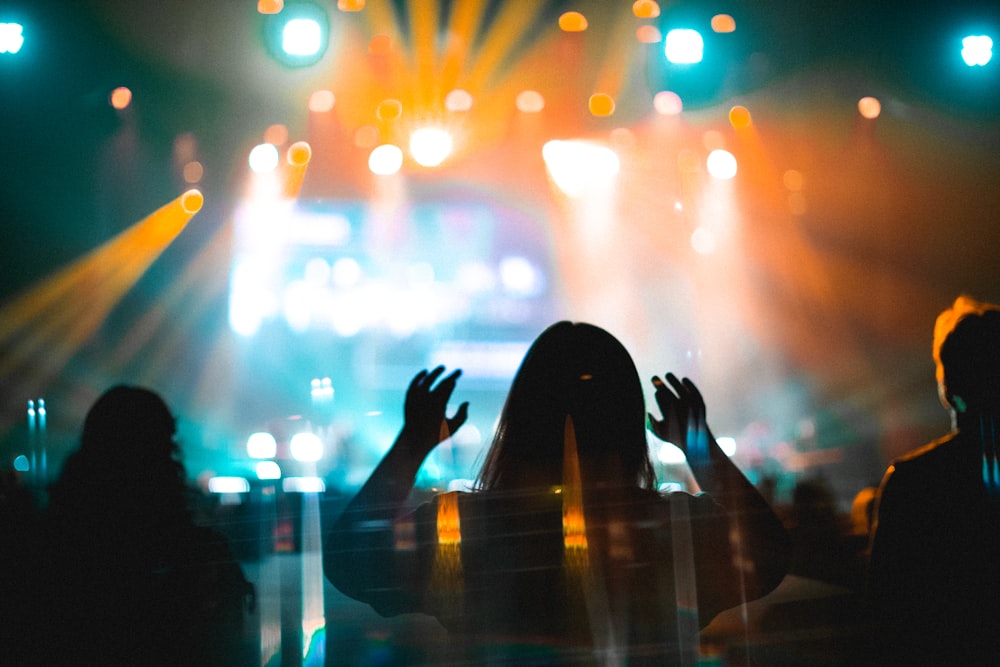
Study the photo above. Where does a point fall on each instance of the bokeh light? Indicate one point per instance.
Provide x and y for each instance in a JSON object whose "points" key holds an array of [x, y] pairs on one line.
{"points": [[263, 158], [869, 107], [703, 241], [578, 167], [530, 101], [267, 470], [389, 109], [648, 34], [601, 104], [120, 97], [270, 6], [192, 201], [299, 153], [350, 5], [739, 117], [977, 50], [667, 103], [193, 172], [721, 164], [276, 134], [458, 100], [306, 447], [261, 445], [430, 146], [645, 9], [684, 46], [572, 22], [321, 101], [723, 23], [385, 160]]}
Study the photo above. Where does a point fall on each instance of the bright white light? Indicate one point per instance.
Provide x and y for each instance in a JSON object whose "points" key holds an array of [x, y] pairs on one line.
{"points": [[303, 485], [430, 146], [458, 100], [11, 37], [317, 271], [670, 453], [346, 272], [578, 166], [261, 445], [703, 241], [385, 160], [268, 470], [264, 158], [727, 445], [977, 50], [519, 276], [321, 389], [302, 37], [228, 485], [298, 305], [684, 46], [721, 164], [464, 485], [306, 447]]}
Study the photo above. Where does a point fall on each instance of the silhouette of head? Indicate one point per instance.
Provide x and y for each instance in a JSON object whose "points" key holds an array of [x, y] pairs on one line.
{"points": [[582, 371], [967, 354], [129, 422]]}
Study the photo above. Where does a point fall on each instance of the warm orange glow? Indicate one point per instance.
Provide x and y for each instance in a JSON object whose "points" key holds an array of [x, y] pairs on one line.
{"points": [[648, 34], [739, 117], [296, 161], [458, 100], [646, 9], [713, 140], [121, 97], [321, 101], [299, 153], [601, 104], [192, 201], [270, 6], [350, 5], [574, 523], [530, 101], [723, 23], [449, 526], [193, 171], [366, 136], [389, 110], [380, 45], [869, 107], [792, 179], [276, 134], [572, 22]]}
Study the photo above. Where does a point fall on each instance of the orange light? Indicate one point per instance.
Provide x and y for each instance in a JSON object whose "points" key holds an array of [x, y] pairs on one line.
{"points": [[121, 97], [380, 45], [389, 110], [739, 117], [869, 107], [648, 34], [573, 22], [792, 180], [530, 101], [192, 201], [299, 154], [601, 104], [276, 134], [723, 23], [321, 101], [646, 9], [350, 5], [449, 526], [366, 136], [270, 6], [193, 171]]}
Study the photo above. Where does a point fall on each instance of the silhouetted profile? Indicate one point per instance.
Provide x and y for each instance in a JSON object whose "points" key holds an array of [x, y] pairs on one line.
{"points": [[565, 553], [125, 575], [934, 579]]}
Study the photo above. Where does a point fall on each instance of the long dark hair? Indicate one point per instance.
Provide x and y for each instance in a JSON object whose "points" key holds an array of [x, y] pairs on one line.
{"points": [[581, 371]]}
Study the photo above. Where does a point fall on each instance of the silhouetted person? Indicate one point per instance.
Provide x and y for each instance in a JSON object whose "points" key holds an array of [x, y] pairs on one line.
{"points": [[125, 576], [565, 552], [934, 580]]}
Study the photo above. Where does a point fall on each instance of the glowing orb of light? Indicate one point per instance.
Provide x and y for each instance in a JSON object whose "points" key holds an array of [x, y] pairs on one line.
{"points": [[703, 241], [572, 22], [684, 46], [977, 50], [667, 103], [385, 160], [270, 6], [11, 37], [458, 100], [261, 445], [306, 447], [264, 158], [120, 97], [21, 463], [268, 470], [648, 34], [321, 101], [192, 201], [430, 146], [389, 109], [721, 164], [193, 171], [350, 5], [645, 9], [530, 101], [302, 37], [723, 23], [299, 153], [739, 117], [869, 107], [577, 167], [601, 104]]}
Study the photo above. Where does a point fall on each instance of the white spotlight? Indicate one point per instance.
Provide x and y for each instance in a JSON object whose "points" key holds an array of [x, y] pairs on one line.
{"points": [[430, 146]]}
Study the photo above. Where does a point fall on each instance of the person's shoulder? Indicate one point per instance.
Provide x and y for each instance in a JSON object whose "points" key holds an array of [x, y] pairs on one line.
{"points": [[927, 458]]}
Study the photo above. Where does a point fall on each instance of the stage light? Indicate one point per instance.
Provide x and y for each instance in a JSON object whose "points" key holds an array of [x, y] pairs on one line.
{"points": [[684, 46], [268, 470], [350, 5], [193, 171], [385, 160], [601, 104], [530, 101], [303, 485], [21, 463], [192, 201], [321, 101], [298, 35], [648, 34], [228, 485], [520, 277], [120, 98], [270, 6], [721, 164], [306, 447], [723, 23], [264, 158], [577, 166], [667, 103], [346, 272], [430, 146], [645, 9], [739, 117], [261, 445], [703, 241], [727, 445], [572, 22], [869, 107], [11, 37], [458, 100], [389, 109], [977, 50]]}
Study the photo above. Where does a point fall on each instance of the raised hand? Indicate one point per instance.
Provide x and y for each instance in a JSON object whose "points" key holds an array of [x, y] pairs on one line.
{"points": [[426, 423], [683, 422]]}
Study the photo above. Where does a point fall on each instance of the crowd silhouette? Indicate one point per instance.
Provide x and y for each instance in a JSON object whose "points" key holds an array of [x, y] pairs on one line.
{"points": [[563, 550]]}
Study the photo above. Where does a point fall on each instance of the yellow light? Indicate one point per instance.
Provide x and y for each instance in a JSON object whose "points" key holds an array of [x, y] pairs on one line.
{"points": [[645, 9], [192, 201], [449, 525], [739, 117], [321, 101], [299, 153], [270, 6], [120, 97], [602, 104], [389, 109], [350, 5], [648, 34], [869, 107], [530, 101], [723, 23], [572, 22]]}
